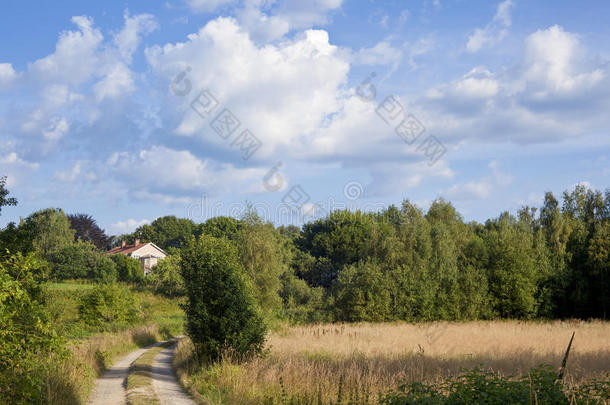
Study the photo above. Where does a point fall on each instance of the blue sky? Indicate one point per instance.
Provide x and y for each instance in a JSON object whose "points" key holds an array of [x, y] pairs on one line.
{"points": [[496, 101]]}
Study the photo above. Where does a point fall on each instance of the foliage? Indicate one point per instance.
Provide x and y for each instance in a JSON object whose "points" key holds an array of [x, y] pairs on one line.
{"points": [[86, 229], [110, 304], [485, 387], [46, 232], [263, 258], [221, 311], [128, 269], [219, 227], [82, 260], [4, 199], [165, 232], [165, 277], [25, 331], [362, 293]]}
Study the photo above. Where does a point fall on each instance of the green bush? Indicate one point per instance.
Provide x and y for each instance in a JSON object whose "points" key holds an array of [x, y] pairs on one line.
{"points": [[165, 277], [110, 305], [82, 260], [128, 269], [489, 388], [26, 334], [221, 312]]}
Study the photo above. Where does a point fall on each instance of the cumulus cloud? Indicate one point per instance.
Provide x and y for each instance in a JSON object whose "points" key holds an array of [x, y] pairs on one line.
{"points": [[494, 32], [553, 60], [76, 56], [280, 92], [268, 20], [544, 97], [163, 170]]}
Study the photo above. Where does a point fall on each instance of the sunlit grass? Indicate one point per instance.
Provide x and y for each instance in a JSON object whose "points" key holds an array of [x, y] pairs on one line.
{"points": [[374, 358]]}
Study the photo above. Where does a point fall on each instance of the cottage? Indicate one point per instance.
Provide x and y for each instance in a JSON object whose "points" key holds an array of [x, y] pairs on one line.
{"points": [[147, 253]]}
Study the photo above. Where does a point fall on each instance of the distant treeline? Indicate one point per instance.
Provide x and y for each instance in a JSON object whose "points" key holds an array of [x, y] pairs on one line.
{"points": [[397, 264]]}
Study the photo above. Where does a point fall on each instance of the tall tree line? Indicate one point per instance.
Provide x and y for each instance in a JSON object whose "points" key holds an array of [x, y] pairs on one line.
{"points": [[401, 263]]}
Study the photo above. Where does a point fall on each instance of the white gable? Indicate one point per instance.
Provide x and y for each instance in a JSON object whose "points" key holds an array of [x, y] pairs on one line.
{"points": [[148, 250]]}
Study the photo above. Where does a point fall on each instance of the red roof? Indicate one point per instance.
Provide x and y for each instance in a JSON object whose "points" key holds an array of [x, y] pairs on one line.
{"points": [[127, 249]]}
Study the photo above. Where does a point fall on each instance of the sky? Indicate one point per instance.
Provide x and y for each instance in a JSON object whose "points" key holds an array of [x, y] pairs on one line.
{"points": [[132, 110]]}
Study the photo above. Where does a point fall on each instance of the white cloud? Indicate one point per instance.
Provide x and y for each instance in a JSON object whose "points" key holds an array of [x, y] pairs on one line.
{"points": [[58, 127], [167, 171], [552, 58], [129, 38], [127, 226], [383, 53], [76, 56], [7, 74], [280, 92], [116, 83], [480, 189], [494, 32], [75, 173]]}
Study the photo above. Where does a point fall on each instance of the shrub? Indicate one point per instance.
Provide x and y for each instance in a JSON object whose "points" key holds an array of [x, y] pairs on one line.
{"points": [[128, 269], [165, 277], [486, 387], [25, 331], [110, 304], [221, 312], [82, 260]]}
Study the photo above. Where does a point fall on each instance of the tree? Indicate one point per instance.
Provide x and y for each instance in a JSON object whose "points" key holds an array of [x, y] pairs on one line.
{"points": [[512, 272], [82, 260], [362, 293], [221, 312], [343, 238], [167, 232], [599, 261], [263, 260], [87, 230], [165, 277], [219, 227], [128, 269], [5, 201], [46, 231]]}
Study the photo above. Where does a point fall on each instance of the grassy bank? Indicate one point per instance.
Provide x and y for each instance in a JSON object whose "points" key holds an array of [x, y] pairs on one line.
{"points": [[324, 363], [92, 349]]}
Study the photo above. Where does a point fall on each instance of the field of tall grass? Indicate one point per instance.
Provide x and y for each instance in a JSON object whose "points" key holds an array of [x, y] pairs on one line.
{"points": [[368, 360]]}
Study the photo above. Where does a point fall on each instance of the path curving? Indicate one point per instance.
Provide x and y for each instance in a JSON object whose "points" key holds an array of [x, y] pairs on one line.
{"points": [[110, 388], [164, 380]]}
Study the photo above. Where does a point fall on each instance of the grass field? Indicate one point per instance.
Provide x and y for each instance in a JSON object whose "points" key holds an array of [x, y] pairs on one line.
{"points": [[374, 358]]}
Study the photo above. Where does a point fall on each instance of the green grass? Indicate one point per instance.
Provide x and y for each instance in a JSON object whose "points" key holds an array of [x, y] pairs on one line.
{"points": [[63, 300]]}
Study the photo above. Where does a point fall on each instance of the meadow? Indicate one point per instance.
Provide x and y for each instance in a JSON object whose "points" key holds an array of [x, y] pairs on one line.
{"points": [[367, 360]]}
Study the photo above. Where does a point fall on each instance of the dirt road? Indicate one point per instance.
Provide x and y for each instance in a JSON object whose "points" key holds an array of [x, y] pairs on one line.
{"points": [[110, 388], [165, 382]]}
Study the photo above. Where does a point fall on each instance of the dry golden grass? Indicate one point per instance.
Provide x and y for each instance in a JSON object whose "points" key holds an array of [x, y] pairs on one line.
{"points": [[378, 357]]}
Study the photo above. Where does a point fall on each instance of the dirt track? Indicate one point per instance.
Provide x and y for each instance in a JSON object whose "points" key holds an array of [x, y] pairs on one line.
{"points": [[110, 388]]}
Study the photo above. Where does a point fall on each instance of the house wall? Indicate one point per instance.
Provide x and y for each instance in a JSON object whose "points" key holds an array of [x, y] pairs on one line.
{"points": [[148, 250]]}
